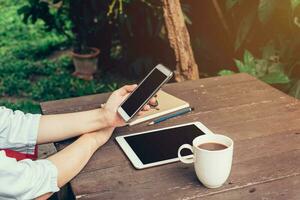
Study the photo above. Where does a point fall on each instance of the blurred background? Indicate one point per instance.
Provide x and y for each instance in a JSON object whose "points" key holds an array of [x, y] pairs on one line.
{"points": [[46, 54]]}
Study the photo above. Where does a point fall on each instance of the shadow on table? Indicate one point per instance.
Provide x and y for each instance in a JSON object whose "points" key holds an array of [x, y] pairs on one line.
{"points": [[65, 193]]}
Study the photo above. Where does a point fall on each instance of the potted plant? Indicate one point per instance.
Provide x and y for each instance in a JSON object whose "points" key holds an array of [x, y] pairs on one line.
{"points": [[96, 23], [85, 58], [85, 62], [56, 15]]}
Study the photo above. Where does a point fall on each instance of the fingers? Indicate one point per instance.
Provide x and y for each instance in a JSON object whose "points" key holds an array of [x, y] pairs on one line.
{"points": [[141, 113], [126, 89], [130, 88], [153, 101], [146, 108]]}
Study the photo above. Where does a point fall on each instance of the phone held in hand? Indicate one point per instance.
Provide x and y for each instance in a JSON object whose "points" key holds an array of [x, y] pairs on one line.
{"points": [[147, 88]]}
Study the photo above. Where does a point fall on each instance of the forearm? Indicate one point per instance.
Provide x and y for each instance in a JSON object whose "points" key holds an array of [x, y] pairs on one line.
{"points": [[62, 126], [70, 161]]}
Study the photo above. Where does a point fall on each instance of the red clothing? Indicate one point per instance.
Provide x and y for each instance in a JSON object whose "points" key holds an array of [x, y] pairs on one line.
{"points": [[21, 156]]}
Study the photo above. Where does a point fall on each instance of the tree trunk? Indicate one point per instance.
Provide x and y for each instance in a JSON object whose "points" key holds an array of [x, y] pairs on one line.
{"points": [[186, 67]]}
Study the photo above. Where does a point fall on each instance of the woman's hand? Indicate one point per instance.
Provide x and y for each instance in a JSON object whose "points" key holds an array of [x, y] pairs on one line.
{"points": [[115, 100], [78, 123]]}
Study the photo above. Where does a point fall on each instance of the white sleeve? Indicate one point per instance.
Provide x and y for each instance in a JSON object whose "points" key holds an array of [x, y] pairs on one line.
{"points": [[26, 179], [18, 131]]}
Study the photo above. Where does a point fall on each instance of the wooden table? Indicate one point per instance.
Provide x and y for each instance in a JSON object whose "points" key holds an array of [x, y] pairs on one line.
{"points": [[264, 123]]}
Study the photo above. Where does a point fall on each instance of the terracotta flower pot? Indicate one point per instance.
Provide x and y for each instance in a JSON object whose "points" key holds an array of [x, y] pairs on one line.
{"points": [[86, 64]]}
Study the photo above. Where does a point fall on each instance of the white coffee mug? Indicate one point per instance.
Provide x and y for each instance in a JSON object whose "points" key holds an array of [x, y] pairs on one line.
{"points": [[212, 166]]}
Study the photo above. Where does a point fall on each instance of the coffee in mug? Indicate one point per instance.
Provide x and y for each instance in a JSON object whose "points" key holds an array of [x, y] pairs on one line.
{"points": [[212, 158], [211, 146]]}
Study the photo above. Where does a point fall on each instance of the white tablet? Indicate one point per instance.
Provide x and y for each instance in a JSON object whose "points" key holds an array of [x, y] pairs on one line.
{"points": [[159, 146]]}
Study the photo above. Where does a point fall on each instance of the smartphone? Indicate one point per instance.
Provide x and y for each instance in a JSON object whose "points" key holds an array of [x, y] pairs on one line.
{"points": [[146, 89]]}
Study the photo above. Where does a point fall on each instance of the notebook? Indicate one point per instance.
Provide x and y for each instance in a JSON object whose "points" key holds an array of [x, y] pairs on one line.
{"points": [[167, 103]]}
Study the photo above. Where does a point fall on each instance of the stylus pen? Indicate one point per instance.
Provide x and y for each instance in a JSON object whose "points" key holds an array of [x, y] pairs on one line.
{"points": [[166, 117]]}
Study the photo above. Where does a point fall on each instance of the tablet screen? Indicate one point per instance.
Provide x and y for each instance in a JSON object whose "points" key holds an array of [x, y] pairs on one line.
{"points": [[163, 144]]}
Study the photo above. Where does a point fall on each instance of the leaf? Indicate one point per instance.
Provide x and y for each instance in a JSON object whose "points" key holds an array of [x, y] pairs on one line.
{"points": [[231, 3], [238, 64], [23, 10], [186, 11], [295, 3], [225, 72], [268, 50], [249, 63], [265, 9], [248, 58], [158, 28], [187, 19], [275, 77], [261, 67], [244, 29], [243, 68], [276, 67]]}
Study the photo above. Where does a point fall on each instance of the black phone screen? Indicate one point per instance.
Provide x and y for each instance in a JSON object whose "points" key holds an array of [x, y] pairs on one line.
{"points": [[142, 93], [163, 144]]}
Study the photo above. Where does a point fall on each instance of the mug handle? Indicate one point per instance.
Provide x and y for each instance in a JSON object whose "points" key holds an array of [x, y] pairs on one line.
{"points": [[183, 159]]}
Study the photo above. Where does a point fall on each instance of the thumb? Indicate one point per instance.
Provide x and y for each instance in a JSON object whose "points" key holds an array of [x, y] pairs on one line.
{"points": [[127, 89]]}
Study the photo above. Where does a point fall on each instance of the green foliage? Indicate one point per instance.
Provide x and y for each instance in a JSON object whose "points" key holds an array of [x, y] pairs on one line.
{"points": [[225, 72], [27, 106], [265, 9], [26, 75], [81, 20], [47, 80], [295, 4], [53, 13], [244, 29], [269, 70], [25, 41], [278, 21], [88, 22], [61, 84], [231, 3]]}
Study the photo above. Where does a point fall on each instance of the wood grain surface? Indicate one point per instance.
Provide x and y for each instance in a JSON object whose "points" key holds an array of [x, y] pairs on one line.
{"points": [[263, 122]]}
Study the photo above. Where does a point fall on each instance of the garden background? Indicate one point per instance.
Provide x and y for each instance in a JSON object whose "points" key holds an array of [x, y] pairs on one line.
{"points": [[37, 37]]}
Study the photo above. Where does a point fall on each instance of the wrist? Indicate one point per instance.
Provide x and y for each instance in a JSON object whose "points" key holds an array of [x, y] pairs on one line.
{"points": [[100, 137], [93, 141], [108, 117]]}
